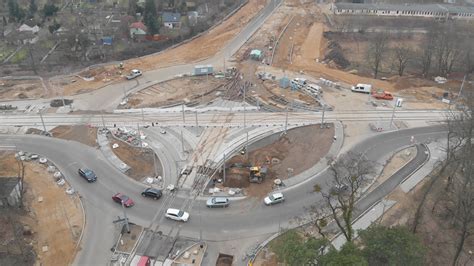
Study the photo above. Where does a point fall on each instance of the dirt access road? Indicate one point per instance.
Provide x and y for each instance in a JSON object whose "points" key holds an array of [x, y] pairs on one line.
{"points": [[198, 49], [55, 221]]}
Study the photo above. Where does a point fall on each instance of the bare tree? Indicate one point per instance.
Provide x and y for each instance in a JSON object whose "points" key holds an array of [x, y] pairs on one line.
{"points": [[427, 52], [350, 174], [462, 155], [402, 56], [376, 51], [447, 48]]}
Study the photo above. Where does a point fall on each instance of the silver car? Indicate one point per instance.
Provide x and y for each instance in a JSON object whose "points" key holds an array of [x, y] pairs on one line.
{"points": [[216, 202]]}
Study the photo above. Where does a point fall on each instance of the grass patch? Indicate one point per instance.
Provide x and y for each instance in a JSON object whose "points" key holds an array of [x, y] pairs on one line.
{"points": [[48, 44], [5, 51], [19, 56]]}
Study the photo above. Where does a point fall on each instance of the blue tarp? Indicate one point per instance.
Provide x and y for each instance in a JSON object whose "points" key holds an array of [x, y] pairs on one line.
{"points": [[107, 41]]}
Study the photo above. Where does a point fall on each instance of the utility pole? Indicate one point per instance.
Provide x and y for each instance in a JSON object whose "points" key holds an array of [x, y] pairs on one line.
{"points": [[138, 134], [322, 117], [462, 85], [184, 119], [197, 125], [103, 121], [182, 141], [42, 121], [286, 120], [143, 115], [393, 113], [126, 219], [223, 165]]}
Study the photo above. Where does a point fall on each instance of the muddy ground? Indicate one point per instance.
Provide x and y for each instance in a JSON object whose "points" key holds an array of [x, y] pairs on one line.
{"points": [[29, 229], [81, 133], [140, 160], [300, 149], [182, 90]]}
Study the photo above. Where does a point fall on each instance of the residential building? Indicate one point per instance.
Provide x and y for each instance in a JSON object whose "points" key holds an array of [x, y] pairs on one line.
{"points": [[171, 20], [138, 31]]}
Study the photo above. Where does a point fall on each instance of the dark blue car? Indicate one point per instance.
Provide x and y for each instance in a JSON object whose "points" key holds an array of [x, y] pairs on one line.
{"points": [[87, 174]]}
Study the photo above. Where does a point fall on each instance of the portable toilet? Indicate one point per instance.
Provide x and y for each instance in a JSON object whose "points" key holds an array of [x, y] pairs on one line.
{"points": [[256, 54], [284, 82]]}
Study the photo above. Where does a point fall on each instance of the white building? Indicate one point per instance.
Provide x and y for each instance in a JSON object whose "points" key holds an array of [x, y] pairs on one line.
{"points": [[407, 10]]}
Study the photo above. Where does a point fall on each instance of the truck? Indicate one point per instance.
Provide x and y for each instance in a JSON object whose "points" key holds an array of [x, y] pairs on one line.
{"points": [[382, 95], [133, 74], [364, 88]]}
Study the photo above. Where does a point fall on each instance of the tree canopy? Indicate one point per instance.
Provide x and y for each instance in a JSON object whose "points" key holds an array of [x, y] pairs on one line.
{"points": [[150, 17], [391, 246]]}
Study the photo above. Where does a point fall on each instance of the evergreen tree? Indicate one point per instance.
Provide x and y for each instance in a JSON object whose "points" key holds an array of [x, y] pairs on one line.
{"points": [[150, 17]]}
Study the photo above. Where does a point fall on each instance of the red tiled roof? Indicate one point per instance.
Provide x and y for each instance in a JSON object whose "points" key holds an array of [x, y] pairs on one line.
{"points": [[138, 25]]}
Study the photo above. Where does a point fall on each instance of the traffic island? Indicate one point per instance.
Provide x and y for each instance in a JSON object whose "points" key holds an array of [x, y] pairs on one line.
{"points": [[277, 157]]}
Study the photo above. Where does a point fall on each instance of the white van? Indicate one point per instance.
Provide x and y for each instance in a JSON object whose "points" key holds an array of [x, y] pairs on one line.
{"points": [[313, 88], [364, 88], [298, 83]]}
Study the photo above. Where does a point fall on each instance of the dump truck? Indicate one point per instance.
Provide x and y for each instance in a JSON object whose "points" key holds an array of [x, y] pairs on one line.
{"points": [[257, 174], [382, 95]]}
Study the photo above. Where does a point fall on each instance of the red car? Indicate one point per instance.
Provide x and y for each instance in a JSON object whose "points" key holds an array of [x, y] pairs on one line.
{"points": [[119, 198]]}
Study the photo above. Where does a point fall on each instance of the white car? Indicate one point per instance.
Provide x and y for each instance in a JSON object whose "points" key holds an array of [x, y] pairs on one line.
{"points": [[133, 74], [274, 198], [177, 215]]}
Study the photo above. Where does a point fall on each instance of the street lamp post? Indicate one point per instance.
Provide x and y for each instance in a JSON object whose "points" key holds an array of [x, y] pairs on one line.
{"points": [[125, 216]]}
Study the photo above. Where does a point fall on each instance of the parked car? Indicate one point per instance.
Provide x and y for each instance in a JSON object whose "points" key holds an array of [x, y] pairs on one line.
{"points": [[133, 74], [216, 202], [364, 88], [274, 198], [87, 174], [152, 193], [177, 215], [119, 198]]}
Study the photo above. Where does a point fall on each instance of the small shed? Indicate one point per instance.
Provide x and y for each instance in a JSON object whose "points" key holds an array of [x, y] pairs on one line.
{"points": [[107, 40], [284, 82], [256, 54], [171, 20], [203, 70], [10, 191]]}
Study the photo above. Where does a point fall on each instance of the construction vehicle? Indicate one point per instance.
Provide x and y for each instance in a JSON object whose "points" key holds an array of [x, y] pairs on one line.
{"points": [[382, 95], [257, 174]]}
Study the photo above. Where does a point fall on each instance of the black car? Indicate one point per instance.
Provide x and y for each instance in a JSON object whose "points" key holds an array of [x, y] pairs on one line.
{"points": [[152, 193], [88, 174]]}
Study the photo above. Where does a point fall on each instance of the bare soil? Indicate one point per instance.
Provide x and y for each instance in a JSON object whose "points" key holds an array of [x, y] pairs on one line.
{"points": [[299, 149], [129, 239], [199, 88], [140, 160], [21, 89], [57, 208], [195, 50], [83, 134]]}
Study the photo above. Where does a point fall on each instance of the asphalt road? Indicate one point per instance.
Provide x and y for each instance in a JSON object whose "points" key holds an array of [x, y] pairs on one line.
{"points": [[224, 118], [110, 96], [242, 219]]}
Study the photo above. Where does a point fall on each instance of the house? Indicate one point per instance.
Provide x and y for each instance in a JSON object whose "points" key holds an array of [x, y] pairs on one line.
{"points": [[438, 11], [171, 20], [26, 28], [10, 191], [138, 31]]}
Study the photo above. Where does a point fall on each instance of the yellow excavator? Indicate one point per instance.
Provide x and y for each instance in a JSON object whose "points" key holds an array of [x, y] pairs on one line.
{"points": [[257, 174]]}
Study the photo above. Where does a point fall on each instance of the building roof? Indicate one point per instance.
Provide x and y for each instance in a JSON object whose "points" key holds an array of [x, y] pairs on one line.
{"points": [[171, 17], [407, 7], [138, 25], [25, 27], [7, 184]]}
